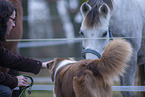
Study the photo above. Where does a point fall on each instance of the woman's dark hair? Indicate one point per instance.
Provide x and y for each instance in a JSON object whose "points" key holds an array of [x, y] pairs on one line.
{"points": [[6, 10]]}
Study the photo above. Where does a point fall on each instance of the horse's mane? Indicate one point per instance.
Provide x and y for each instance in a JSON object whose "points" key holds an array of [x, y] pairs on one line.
{"points": [[93, 16]]}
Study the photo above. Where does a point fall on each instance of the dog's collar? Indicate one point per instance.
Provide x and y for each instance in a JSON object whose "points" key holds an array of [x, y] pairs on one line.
{"points": [[61, 64]]}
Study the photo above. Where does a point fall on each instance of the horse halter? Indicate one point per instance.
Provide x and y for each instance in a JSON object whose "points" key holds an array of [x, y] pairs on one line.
{"points": [[92, 52], [84, 51]]}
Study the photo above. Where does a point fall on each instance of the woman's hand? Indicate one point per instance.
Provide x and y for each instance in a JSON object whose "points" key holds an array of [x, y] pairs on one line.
{"points": [[22, 81]]}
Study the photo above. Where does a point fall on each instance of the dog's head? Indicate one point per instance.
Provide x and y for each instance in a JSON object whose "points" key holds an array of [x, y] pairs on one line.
{"points": [[54, 64]]}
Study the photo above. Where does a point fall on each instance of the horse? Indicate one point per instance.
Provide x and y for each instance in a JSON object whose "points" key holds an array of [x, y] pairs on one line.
{"points": [[16, 32], [103, 19]]}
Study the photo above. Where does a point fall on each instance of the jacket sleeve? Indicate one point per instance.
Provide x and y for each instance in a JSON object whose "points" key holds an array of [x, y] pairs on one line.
{"points": [[17, 62], [8, 80]]}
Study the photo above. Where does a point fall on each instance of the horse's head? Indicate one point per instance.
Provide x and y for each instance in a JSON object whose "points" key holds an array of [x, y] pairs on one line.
{"points": [[96, 16]]}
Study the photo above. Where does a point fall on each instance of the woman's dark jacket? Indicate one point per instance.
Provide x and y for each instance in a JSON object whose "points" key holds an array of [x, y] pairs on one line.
{"points": [[17, 62]]}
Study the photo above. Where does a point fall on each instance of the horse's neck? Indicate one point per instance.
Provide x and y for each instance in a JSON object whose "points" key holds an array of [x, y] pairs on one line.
{"points": [[138, 5], [123, 4], [141, 4]]}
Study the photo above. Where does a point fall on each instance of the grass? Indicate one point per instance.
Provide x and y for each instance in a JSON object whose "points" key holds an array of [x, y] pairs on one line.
{"points": [[40, 94], [50, 94]]}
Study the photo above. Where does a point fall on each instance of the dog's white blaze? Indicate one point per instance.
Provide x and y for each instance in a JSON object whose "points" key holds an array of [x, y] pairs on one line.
{"points": [[54, 95], [61, 64]]}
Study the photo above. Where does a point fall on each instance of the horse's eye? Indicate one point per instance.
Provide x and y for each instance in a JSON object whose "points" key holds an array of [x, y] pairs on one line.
{"points": [[81, 33], [105, 33]]}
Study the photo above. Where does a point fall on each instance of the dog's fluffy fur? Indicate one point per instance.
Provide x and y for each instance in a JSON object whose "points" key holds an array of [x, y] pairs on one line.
{"points": [[91, 78]]}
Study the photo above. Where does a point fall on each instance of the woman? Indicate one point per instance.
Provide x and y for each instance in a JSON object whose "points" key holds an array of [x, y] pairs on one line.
{"points": [[9, 60]]}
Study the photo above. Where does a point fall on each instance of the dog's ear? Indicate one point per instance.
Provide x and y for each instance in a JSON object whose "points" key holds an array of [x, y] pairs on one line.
{"points": [[55, 61], [50, 64]]}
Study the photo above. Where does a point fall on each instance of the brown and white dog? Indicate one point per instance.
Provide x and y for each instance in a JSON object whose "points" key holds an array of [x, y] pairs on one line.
{"points": [[90, 78]]}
